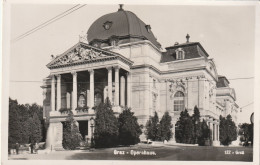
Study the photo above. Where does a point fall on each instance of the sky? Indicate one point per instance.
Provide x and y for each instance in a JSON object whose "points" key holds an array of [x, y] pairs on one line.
{"points": [[226, 33]]}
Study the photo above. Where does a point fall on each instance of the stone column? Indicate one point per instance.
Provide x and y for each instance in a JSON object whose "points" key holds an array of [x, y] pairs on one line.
{"points": [[74, 92], [216, 138], [92, 89], [217, 132], [210, 128], [213, 132], [128, 89], [122, 91], [89, 131], [117, 85], [110, 83], [53, 93], [58, 92], [68, 100]]}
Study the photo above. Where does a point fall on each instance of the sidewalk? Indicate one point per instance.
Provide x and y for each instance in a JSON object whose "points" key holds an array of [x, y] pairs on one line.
{"points": [[45, 155]]}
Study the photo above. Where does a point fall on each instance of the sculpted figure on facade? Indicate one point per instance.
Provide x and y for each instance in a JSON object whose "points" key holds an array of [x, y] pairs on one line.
{"points": [[176, 85], [78, 54]]}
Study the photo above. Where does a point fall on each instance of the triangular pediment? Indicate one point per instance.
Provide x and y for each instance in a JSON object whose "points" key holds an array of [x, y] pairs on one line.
{"points": [[80, 53]]}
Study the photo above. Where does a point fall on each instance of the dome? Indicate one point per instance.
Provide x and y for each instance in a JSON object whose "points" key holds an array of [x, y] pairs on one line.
{"points": [[122, 25]]}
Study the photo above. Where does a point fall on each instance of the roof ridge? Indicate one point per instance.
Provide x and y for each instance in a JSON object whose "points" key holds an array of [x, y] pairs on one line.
{"points": [[127, 21]]}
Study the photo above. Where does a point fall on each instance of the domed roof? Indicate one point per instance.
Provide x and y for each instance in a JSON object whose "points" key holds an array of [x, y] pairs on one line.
{"points": [[122, 25]]}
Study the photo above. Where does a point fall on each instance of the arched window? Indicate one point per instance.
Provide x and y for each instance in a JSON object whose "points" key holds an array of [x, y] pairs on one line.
{"points": [[179, 101], [98, 99], [81, 101], [180, 55]]}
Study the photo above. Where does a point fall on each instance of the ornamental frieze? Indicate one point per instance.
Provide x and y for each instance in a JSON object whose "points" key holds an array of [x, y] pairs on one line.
{"points": [[78, 54], [211, 91]]}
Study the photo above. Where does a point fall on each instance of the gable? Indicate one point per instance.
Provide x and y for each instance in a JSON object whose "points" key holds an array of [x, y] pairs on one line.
{"points": [[81, 53]]}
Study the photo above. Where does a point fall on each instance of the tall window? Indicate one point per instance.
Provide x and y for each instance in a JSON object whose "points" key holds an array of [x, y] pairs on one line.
{"points": [[98, 99], [82, 101], [179, 54], [179, 101]]}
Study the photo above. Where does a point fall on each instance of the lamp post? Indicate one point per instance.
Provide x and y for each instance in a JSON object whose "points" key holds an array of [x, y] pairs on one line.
{"points": [[196, 130], [92, 131]]}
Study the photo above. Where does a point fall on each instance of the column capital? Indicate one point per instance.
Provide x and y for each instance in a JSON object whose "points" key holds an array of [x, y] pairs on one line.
{"points": [[91, 70], [117, 67], [52, 75], [109, 68], [200, 77], [74, 73], [58, 76]]}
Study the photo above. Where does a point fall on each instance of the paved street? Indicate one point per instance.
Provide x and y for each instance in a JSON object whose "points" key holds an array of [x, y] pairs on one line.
{"points": [[144, 152]]}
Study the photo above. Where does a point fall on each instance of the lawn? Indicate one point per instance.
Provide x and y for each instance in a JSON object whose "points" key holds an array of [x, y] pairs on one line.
{"points": [[148, 152], [170, 153]]}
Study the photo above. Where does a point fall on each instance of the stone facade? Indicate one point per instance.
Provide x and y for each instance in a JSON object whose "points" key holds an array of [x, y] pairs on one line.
{"points": [[139, 75]]}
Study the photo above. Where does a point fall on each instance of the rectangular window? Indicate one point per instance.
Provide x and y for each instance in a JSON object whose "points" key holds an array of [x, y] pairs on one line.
{"points": [[178, 105]]}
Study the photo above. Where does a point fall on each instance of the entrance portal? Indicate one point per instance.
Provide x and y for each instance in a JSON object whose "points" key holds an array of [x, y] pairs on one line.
{"points": [[83, 129]]}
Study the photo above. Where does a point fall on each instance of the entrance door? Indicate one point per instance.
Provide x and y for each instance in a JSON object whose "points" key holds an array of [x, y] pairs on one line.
{"points": [[83, 128]]}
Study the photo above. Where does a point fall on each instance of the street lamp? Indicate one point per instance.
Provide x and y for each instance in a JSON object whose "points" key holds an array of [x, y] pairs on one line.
{"points": [[196, 138], [92, 121]]}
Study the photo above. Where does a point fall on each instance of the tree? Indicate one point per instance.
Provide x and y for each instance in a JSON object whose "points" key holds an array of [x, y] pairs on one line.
{"points": [[106, 126], [196, 125], [14, 125], [165, 127], [251, 133], [25, 125], [71, 135], [227, 130], [35, 108], [129, 129], [35, 131], [25, 122], [184, 128], [152, 128], [205, 133]]}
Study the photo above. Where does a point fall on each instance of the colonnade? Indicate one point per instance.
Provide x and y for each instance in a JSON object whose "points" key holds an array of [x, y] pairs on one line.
{"points": [[214, 127], [91, 103]]}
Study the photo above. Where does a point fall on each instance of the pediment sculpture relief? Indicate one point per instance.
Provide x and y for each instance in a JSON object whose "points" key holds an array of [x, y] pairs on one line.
{"points": [[77, 55]]}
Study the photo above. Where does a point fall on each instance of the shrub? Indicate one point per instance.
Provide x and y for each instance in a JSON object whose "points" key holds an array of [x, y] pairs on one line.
{"points": [[227, 130], [205, 134], [152, 128], [165, 127], [82, 109], [184, 128], [129, 129], [106, 126], [196, 125], [64, 110], [71, 135]]}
